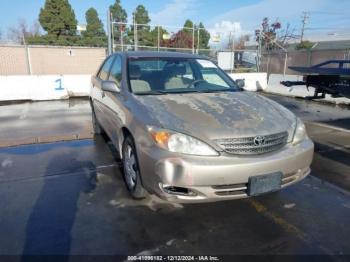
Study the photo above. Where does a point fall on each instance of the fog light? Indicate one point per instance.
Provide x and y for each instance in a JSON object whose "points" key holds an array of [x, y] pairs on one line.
{"points": [[175, 190]]}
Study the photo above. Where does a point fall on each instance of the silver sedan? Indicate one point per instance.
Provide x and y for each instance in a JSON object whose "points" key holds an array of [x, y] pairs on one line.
{"points": [[187, 132]]}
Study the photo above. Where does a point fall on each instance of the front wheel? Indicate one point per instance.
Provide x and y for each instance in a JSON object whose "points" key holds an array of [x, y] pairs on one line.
{"points": [[131, 170]]}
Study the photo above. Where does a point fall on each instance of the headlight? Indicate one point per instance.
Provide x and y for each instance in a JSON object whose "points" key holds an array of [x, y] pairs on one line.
{"points": [[180, 143], [300, 132]]}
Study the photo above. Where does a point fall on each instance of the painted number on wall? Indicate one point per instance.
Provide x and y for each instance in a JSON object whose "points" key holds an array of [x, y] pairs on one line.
{"points": [[59, 84]]}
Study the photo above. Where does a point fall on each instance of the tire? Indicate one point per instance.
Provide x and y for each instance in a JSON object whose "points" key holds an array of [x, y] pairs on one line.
{"points": [[97, 129], [131, 171]]}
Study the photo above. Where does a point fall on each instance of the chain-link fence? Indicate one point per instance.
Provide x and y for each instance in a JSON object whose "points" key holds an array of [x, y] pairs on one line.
{"points": [[278, 62], [148, 37], [130, 36]]}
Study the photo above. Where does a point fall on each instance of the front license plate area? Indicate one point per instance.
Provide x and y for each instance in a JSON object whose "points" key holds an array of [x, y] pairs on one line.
{"points": [[264, 183]]}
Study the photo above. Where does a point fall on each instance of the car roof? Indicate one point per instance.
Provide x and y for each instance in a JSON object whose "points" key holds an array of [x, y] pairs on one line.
{"points": [[156, 54]]}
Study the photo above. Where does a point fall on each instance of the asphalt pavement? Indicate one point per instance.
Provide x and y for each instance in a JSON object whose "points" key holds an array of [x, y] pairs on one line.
{"points": [[69, 197]]}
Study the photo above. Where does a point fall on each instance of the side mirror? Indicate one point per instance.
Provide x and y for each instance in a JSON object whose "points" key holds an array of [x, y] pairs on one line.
{"points": [[110, 86], [240, 83]]}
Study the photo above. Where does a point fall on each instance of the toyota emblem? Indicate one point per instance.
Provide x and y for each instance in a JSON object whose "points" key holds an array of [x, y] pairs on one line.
{"points": [[259, 140]]}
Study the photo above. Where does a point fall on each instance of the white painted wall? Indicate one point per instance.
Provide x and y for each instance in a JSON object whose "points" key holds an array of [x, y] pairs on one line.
{"points": [[53, 87], [253, 81], [43, 87]]}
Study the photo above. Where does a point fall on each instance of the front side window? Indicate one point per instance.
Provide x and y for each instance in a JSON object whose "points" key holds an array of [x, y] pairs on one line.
{"points": [[176, 75], [103, 74], [210, 75], [116, 71]]}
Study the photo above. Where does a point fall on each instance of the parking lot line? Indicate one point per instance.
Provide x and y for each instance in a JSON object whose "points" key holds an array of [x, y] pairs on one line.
{"points": [[60, 174], [46, 139]]}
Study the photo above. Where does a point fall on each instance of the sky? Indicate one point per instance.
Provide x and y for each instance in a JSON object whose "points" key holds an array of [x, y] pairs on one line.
{"points": [[328, 19]]}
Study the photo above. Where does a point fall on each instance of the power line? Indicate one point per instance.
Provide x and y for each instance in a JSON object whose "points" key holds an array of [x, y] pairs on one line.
{"points": [[326, 28], [329, 13]]}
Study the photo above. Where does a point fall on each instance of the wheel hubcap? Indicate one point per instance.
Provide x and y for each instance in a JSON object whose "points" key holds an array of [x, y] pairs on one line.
{"points": [[130, 168]]}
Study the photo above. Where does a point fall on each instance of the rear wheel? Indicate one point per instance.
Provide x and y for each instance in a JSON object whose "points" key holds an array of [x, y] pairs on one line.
{"points": [[131, 170]]}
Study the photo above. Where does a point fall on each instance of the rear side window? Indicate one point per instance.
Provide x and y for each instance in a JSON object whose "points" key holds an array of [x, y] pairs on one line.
{"points": [[103, 74], [116, 71]]}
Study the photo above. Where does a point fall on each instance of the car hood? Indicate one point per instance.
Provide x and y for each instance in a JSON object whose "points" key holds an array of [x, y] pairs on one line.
{"points": [[218, 115]]}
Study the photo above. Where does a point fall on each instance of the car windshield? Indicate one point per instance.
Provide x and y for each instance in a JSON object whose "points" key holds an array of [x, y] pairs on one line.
{"points": [[157, 76]]}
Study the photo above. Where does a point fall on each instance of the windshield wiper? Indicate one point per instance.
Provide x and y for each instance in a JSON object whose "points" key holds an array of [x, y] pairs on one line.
{"points": [[183, 91], [216, 90], [153, 92]]}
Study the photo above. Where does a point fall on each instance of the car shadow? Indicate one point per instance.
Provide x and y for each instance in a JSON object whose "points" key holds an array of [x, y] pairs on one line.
{"points": [[49, 226]]}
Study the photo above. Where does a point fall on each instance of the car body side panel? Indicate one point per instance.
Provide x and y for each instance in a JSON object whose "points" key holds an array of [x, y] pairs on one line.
{"points": [[116, 117], [96, 97]]}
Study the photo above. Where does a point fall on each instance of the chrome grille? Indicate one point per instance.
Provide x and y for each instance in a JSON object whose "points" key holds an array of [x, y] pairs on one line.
{"points": [[249, 145]]}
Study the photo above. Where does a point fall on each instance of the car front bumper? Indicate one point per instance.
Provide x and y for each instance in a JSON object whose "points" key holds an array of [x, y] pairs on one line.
{"points": [[219, 177]]}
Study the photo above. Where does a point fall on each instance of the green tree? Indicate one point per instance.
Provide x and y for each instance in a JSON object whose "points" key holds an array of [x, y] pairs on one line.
{"points": [[204, 37], [95, 34], [144, 35], [141, 15], [186, 28], [57, 18], [119, 14], [154, 36]]}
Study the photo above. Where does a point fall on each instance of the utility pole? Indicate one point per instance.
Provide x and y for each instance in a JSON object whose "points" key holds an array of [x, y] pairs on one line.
{"points": [[304, 20], [135, 31], [109, 32], [158, 37], [258, 57], [231, 47], [198, 33], [121, 37], [112, 31], [193, 39]]}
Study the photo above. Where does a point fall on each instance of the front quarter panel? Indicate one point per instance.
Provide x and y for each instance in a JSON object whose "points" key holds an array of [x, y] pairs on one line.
{"points": [[130, 113]]}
